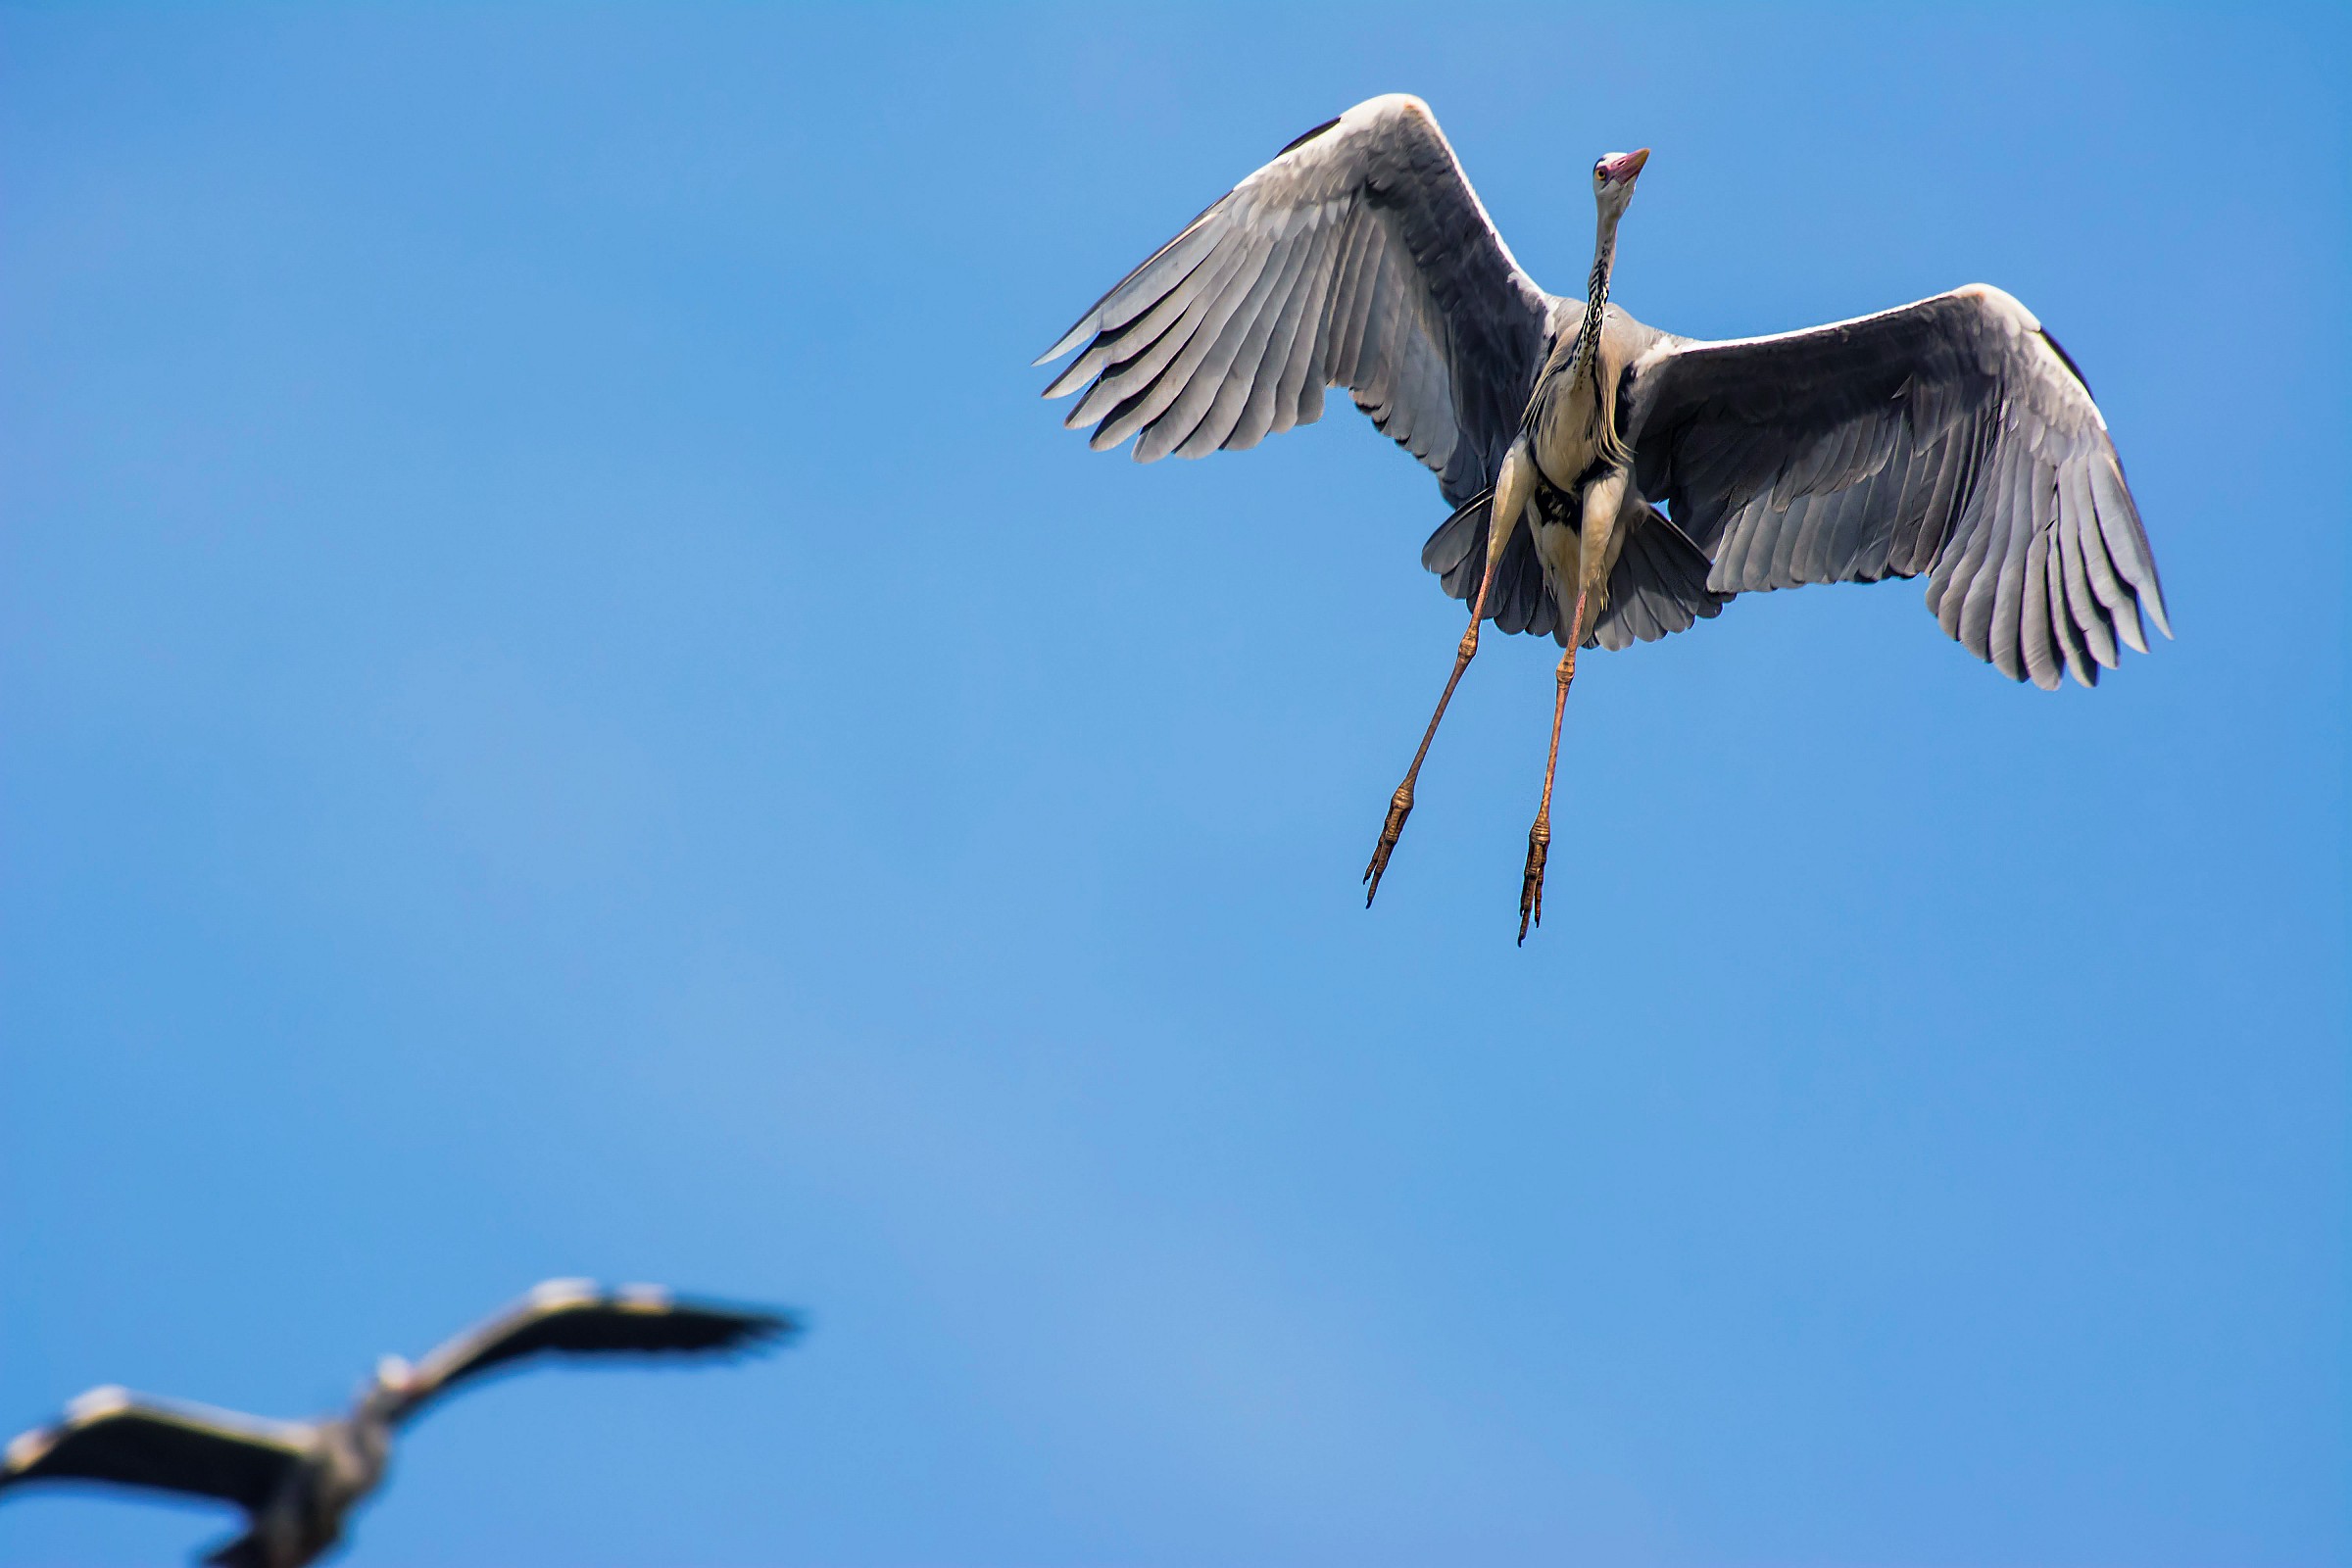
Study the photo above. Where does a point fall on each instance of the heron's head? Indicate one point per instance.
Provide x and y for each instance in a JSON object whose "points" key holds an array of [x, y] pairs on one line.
{"points": [[1613, 178], [394, 1378]]}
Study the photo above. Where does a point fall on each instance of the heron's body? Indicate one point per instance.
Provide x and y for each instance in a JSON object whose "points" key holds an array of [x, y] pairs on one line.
{"points": [[1570, 432], [303, 1520], [298, 1483], [1617, 485]]}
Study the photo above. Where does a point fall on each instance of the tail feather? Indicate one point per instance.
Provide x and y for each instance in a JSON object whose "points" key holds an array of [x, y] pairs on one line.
{"points": [[1658, 587], [1457, 552]]}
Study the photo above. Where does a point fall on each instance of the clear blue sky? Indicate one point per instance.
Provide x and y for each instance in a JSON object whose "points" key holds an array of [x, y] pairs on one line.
{"points": [[566, 710]]}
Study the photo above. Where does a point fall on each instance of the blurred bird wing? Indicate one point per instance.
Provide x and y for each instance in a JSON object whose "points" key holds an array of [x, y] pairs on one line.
{"points": [[114, 1436], [1360, 258], [577, 1317], [1951, 437]]}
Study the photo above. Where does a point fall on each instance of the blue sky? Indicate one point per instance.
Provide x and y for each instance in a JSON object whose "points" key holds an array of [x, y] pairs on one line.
{"points": [[566, 710]]}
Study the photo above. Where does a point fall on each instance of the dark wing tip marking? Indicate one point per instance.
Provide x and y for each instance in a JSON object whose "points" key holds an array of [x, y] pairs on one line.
{"points": [[2059, 349], [1304, 138], [747, 1329]]}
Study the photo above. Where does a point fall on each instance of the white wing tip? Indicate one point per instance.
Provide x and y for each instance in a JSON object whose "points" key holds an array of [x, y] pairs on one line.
{"points": [[563, 1293], [28, 1449], [2001, 301], [1388, 103], [98, 1404]]}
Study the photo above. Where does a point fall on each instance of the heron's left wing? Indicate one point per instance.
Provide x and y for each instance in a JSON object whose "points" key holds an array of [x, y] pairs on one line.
{"points": [[112, 1435], [1951, 437], [576, 1317], [1360, 258]]}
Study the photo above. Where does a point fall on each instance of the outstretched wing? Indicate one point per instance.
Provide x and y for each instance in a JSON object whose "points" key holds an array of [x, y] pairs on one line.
{"points": [[1360, 258], [576, 1317], [114, 1436], [1951, 437]]}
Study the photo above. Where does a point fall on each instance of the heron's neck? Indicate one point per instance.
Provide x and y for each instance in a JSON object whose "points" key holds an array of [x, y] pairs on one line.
{"points": [[1596, 291]]}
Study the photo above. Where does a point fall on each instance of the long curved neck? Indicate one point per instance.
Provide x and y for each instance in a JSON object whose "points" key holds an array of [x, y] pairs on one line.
{"points": [[1596, 291]]}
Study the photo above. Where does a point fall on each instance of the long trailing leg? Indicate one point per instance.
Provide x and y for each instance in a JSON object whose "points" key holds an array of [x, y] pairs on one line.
{"points": [[1401, 804], [1538, 837], [1511, 489], [1596, 552]]}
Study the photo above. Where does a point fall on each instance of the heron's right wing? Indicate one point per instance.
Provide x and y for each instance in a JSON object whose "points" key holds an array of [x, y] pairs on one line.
{"points": [[1951, 437], [576, 1317], [114, 1436], [1360, 258]]}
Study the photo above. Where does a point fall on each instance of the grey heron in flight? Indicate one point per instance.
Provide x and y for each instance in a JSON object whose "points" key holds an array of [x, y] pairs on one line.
{"points": [[298, 1482], [1612, 483]]}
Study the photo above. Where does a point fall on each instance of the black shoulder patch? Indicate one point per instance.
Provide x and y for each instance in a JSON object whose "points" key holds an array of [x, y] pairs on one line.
{"points": [[2060, 349], [1300, 141]]}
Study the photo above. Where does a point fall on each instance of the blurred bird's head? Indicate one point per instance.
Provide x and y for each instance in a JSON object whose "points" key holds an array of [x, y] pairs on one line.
{"points": [[393, 1382], [1613, 179]]}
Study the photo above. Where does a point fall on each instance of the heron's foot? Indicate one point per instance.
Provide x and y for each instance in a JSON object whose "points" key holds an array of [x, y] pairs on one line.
{"points": [[1531, 885], [1400, 807]]}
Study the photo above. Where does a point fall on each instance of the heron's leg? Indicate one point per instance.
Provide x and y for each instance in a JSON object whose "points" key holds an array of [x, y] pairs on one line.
{"points": [[1538, 837], [1511, 490], [1596, 554]]}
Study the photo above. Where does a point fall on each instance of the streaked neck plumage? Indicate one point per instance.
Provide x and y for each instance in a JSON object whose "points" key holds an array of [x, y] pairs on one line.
{"points": [[1587, 366], [1596, 289]]}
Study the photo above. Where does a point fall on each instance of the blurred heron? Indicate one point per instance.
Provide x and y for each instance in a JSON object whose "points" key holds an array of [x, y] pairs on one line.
{"points": [[298, 1482], [1612, 483]]}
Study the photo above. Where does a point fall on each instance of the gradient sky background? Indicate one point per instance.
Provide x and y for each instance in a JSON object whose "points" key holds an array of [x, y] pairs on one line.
{"points": [[566, 710]]}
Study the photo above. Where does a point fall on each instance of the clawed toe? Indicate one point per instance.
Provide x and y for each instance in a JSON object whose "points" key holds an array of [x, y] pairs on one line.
{"points": [[1400, 807], [1531, 884]]}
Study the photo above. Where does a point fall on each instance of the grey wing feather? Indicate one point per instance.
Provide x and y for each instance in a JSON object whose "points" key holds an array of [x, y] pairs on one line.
{"points": [[1360, 258], [1951, 437], [112, 1435], [576, 1317]]}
